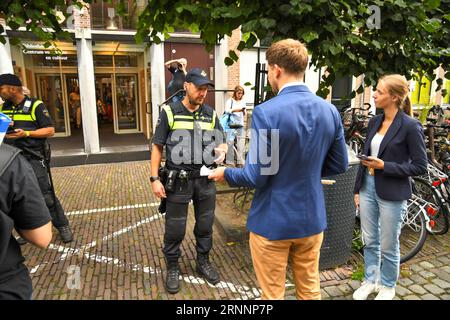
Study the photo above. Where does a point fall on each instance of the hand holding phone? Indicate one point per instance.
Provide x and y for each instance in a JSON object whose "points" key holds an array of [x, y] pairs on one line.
{"points": [[10, 130], [363, 157]]}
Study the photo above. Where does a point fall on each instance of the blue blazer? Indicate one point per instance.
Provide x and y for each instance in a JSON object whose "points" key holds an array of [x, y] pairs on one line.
{"points": [[307, 143], [403, 152]]}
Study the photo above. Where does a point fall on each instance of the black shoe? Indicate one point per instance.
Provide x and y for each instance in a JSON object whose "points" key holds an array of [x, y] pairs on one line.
{"points": [[172, 277], [66, 234], [206, 269], [21, 241]]}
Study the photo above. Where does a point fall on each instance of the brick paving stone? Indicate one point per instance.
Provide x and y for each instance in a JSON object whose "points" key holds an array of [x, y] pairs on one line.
{"points": [[354, 284], [416, 268], [324, 294], [441, 283], [444, 259], [334, 291], [401, 291], [427, 274], [417, 289], [418, 279], [345, 288], [405, 282], [429, 296], [442, 275], [434, 289], [426, 265], [445, 297], [445, 268], [411, 297]]}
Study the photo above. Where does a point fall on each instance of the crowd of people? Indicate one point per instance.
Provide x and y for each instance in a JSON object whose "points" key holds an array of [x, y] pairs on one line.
{"points": [[303, 137]]}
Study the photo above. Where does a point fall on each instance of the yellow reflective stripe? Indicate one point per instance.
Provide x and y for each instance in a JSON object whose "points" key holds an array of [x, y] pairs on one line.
{"points": [[183, 125], [33, 109], [23, 117], [213, 120], [183, 117], [205, 126], [169, 113], [1, 107]]}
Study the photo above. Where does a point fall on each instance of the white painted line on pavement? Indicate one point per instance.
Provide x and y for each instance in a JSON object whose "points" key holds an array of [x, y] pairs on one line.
{"points": [[130, 206], [122, 231], [245, 292]]}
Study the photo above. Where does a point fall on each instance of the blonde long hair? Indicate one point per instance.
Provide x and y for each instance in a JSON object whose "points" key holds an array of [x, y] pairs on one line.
{"points": [[398, 86]]}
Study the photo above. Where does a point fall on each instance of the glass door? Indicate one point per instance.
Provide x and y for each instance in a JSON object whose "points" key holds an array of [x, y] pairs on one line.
{"points": [[51, 92], [126, 119]]}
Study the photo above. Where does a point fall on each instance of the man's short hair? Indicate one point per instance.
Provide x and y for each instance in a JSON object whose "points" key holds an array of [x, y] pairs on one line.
{"points": [[289, 54]]}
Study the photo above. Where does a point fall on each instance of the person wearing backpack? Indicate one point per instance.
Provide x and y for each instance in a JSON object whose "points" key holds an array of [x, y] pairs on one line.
{"points": [[235, 107], [22, 210]]}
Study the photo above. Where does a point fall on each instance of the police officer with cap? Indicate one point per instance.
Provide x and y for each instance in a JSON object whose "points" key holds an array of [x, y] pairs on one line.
{"points": [[191, 132], [30, 127]]}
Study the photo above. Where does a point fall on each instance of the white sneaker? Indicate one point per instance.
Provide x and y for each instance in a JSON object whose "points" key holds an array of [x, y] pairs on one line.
{"points": [[386, 293], [363, 292]]}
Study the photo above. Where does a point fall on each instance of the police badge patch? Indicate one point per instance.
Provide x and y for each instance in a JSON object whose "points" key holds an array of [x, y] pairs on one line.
{"points": [[45, 112]]}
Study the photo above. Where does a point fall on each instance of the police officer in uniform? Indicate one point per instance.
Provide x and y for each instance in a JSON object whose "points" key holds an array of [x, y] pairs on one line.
{"points": [[26, 213], [193, 137], [32, 126]]}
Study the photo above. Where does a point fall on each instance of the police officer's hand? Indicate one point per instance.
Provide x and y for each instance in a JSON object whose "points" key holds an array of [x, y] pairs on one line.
{"points": [[158, 189], [19, 133], [218, 174]]}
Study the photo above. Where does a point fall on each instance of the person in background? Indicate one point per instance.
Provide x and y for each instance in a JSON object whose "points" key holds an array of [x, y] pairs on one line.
{"points": [[177, 68], [75, 103], [32, 125], [396, 151], [235, 106]]}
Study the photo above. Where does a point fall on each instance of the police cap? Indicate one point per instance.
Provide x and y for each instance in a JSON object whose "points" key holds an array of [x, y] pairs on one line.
{"points": [[10, 80], [199, 77]]}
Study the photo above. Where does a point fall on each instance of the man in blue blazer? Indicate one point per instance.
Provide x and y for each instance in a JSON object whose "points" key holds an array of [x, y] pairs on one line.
{"points": [[296, 139]]}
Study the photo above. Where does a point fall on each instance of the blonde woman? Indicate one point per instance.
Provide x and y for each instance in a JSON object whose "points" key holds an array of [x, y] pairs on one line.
{"points": [[236, 107], [396, 151]]}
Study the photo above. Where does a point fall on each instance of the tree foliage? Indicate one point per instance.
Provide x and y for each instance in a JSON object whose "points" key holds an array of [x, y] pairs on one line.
{"points": [[412, 39]]}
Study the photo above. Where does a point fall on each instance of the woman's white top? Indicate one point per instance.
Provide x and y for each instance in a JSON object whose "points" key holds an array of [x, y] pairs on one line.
{"points": [[375, 144], [231, 104]]}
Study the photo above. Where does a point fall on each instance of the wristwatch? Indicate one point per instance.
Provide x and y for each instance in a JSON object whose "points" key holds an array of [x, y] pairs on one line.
{"points": [[154, 178]]}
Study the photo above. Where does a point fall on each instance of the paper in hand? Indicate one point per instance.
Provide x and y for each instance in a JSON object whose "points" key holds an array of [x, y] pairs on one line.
{"points": [[204, 171]]}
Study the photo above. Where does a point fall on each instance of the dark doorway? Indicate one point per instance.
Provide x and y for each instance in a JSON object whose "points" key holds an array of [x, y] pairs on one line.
{"points": [[196, 56], [340, 92]]}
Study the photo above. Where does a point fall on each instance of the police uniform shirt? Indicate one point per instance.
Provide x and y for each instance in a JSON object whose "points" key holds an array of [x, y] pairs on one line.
{"points": [[21, 200], [163, 135], [20, 114]]}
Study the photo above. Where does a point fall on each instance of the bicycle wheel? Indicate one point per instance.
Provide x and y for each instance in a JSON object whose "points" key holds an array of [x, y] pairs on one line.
{"points": [[414, 231], [437, 209]]}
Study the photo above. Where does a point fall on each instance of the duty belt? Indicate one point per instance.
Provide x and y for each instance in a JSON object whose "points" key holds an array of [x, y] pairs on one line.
{"points": [[184, 174]]}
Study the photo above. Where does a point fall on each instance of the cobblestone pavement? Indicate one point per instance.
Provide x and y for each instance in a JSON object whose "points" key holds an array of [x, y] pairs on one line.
{"points": [[117, 249]]}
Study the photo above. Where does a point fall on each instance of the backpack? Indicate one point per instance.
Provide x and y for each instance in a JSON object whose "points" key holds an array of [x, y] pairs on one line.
{"points": [[225, 121], [7, 155]]}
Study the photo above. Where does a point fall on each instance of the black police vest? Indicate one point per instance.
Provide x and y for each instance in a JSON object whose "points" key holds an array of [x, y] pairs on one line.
{"points": [[200, 121], [24, 117]]}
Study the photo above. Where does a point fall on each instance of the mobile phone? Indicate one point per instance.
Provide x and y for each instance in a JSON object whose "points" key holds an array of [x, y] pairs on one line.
{"points": [[363, 157], [10, 130]]}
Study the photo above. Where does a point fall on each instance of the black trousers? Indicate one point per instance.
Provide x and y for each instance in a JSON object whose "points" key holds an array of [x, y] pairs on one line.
{"points": [[203, 194], [54, 206]]}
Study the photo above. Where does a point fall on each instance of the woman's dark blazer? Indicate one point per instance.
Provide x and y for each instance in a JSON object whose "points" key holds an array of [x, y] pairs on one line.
{"points": [[403, 152]]}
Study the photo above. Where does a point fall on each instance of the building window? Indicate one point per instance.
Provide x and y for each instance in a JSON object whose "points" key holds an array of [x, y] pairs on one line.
{"points": [[104, 15]]}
